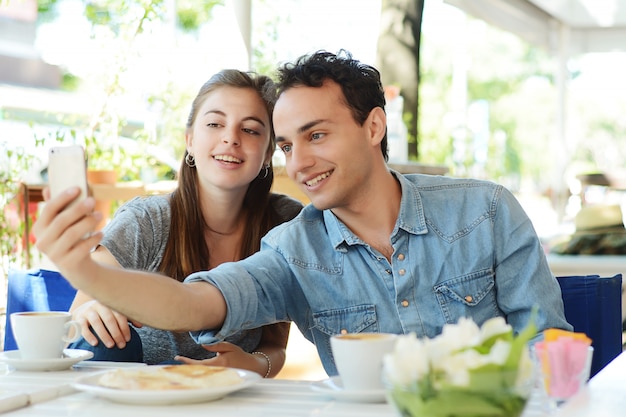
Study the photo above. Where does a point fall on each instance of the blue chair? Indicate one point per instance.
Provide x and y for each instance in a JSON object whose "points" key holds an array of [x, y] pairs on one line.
{"points": [[593, 305], [35, 290]]}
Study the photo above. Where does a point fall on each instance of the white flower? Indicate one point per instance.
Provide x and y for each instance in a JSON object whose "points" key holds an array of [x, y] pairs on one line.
{"points": [[487, 369], [451, 357], [493, 327], [499, 352], [457, 367], [408, 362], [464, 334]]}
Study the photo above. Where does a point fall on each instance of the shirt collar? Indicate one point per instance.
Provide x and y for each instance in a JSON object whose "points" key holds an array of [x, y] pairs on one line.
{"points": [[411, 216]]}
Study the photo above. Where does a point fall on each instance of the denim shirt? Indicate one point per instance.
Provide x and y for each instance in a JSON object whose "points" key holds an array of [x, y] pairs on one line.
{"points": [[461, 248]]}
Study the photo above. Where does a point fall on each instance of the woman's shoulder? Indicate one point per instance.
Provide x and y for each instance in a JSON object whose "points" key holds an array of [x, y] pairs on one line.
{"points": [[286, 207], [151, 205]]}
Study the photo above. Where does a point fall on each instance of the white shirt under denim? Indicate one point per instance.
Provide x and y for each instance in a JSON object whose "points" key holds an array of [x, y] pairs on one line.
{"points": [[462, 247]]}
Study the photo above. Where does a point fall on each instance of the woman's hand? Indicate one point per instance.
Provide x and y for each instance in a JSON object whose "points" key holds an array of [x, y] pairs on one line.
{"points": [[66, 234], [231, 356], [111, 327]]}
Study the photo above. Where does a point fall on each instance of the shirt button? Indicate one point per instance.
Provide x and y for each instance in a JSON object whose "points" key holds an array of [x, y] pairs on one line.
{"points": [[404, 303], [388, 271], [402, 272], [344, 331], [469, 298], [401, 257]]}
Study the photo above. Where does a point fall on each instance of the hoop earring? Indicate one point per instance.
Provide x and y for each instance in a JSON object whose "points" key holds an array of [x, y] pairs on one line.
{"points": [[266, 172], [190, 160]]}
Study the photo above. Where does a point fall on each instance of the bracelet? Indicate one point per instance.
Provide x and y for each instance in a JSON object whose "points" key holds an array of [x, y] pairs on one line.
{"points": [[269, 362]]}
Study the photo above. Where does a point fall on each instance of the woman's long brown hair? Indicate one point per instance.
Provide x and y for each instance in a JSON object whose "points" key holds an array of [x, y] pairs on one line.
{"points": [[186, 251]]}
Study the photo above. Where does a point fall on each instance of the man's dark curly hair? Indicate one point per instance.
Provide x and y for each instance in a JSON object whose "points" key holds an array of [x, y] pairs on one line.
{"points": [[360, 83]]}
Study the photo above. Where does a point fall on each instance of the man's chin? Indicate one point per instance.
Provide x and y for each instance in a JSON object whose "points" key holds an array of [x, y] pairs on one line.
{"points": [[319, 203]]}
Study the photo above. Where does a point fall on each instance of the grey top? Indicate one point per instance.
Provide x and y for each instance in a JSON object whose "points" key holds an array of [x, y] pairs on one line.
{"points": [[137, 237]]}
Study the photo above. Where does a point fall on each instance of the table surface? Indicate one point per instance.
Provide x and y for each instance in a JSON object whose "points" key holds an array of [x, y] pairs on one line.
{"points": [[51, 394]]}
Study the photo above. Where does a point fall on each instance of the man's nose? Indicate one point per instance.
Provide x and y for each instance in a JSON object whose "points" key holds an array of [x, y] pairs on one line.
{"points": [[299, 159]]}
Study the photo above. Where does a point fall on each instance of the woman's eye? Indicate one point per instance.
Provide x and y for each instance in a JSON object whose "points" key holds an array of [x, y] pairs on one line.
{"points": [[251, 131], [212, 124]]}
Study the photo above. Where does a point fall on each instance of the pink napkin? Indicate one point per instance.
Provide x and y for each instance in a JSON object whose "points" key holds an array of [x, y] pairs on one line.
{"points": [[565, 363]]}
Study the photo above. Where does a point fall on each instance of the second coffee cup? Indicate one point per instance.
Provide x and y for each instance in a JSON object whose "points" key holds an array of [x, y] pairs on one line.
{"points": [[359, 358]]}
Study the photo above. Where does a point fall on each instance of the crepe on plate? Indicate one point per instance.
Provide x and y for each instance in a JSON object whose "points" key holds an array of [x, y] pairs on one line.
{"points": [[171, 377]]}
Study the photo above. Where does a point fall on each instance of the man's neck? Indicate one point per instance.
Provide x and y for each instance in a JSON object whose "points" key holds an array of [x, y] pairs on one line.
{"points": [[374, 216]]}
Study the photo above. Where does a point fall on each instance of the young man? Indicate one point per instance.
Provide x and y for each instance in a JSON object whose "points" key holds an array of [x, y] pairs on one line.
{"points": [[376, 250]]}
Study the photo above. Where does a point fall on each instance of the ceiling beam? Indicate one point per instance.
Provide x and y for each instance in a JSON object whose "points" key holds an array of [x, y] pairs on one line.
{"points": [[517, 16]]}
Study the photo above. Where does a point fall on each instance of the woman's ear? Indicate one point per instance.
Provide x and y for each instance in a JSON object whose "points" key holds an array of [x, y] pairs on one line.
{"points": [[270, 155], [188, 140], [376, 124]]}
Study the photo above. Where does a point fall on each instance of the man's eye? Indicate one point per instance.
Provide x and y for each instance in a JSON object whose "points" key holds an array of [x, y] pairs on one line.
{"points": [[316, 136], [285, 148]]}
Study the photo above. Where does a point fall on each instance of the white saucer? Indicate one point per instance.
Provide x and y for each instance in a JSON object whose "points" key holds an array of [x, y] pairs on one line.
{"points": [[334, 388], [70, 357]]}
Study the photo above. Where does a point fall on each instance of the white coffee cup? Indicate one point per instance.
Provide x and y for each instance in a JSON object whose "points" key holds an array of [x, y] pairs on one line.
{"points": [[359, 358], [43, 334]]}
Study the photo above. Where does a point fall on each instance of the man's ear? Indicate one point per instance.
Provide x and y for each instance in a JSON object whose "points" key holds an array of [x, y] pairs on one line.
{"points": [[377, 125]]}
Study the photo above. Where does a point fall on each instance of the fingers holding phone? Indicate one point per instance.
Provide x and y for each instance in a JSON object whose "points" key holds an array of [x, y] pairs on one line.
{"points": [[64, 227]]}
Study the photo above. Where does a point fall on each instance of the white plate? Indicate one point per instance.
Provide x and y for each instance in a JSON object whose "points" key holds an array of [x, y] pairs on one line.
{"points": [[70, 357], [163, 397], [334, 388]]}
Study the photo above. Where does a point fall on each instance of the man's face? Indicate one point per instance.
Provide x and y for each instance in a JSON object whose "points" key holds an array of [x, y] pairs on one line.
{"points": [[328, 154]]}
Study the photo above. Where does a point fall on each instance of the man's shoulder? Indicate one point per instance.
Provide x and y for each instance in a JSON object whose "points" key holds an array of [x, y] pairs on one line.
{"points": [[424, 180]]}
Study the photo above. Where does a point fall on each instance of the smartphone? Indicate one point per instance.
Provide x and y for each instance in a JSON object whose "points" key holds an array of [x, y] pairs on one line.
{"points": [[67, 167]]}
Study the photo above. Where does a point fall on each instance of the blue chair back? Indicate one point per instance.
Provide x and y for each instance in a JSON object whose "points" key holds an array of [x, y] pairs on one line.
{"points": [[593, 305], [35, 290]]}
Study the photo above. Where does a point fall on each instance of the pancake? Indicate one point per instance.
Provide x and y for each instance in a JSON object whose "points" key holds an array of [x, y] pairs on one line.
{"points": [[171, 377]]}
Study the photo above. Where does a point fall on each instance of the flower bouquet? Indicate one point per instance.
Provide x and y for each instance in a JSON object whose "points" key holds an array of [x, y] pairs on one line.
{"points": [[465, 371]]}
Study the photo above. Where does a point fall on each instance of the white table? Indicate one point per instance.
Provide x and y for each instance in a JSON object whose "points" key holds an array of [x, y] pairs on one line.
{"points": [[605, 396]]}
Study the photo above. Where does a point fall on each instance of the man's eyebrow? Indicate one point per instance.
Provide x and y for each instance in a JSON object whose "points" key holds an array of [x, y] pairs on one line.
{"points": [[302, 128]]}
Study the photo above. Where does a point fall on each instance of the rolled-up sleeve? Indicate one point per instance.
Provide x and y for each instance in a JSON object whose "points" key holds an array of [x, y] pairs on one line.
{"points": [[257, 291]]}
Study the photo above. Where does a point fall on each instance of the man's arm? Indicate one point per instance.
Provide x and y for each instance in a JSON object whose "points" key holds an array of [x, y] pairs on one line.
{"points": [[149, 298]]}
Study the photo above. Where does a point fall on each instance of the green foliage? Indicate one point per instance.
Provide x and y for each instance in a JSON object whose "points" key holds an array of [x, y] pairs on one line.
{"points": [[265, 37], [191, 14], [13, 166], [514, 78]]}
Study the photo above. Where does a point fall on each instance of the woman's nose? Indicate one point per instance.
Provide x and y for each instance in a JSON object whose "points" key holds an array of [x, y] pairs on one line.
{"points": [[231, 136]]}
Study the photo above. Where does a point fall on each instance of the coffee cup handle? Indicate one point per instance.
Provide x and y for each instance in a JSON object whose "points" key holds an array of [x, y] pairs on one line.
{"points": [[75, 334]]}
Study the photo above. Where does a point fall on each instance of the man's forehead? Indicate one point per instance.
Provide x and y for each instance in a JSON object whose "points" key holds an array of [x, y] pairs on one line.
{"points": [[303, 97]]}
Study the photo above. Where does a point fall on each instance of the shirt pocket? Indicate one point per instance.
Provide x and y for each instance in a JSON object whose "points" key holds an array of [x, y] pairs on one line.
{"points": [[472, 295], [355, 319]]}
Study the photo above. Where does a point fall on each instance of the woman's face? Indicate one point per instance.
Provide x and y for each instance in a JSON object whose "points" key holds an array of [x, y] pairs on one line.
{"points": [[230, 138]]}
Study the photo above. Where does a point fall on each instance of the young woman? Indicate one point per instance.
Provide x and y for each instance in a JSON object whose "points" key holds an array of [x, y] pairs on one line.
{"points": [[218, 213]]}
